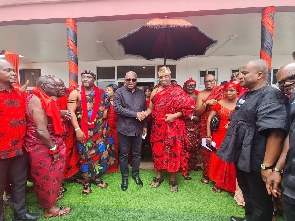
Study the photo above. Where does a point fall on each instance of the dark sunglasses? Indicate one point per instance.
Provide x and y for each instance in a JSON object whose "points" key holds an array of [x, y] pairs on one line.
{"points": [[131, 79], [191, 85], [290, 79]]}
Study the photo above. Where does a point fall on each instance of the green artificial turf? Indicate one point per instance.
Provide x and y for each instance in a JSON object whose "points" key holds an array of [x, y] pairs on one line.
{"points": [[194, 201]]}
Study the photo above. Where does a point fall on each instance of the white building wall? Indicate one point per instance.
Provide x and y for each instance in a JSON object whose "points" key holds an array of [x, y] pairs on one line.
{"points": [[186, 68]]}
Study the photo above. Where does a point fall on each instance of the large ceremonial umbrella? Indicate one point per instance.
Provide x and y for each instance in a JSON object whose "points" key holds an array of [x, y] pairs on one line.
{"points": [[166, 38]]}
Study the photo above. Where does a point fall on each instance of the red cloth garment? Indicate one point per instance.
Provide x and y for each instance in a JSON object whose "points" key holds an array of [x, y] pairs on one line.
{"points": [[12, 122], [191, 150], [92, 119], [51, 110], [216, 94], [221, 172], [112, 122], [47, 177], [168, 139], [72, 155]]}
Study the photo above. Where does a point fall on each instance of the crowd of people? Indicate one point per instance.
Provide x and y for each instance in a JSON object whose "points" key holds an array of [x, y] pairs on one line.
{"points": [[53, 133]]}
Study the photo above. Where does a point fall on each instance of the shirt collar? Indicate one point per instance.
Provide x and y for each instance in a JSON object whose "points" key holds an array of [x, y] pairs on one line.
{"points": [[130, 89], [11, 89]]}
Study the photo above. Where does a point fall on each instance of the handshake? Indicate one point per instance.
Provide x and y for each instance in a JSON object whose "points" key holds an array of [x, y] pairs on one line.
{"points": [[141, 115]]}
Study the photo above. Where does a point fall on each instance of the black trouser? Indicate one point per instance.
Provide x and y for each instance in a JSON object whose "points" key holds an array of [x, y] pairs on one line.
{"points": [[17, 169], [125, 142], [258, 204], [288, 208]]}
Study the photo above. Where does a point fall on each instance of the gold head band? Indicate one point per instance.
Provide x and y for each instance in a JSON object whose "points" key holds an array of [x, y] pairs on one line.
{"points": [[164, 70]]}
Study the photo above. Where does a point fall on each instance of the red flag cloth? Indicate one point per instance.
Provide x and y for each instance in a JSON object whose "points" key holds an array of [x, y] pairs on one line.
{"points": [[51, 109], [14, 60]]}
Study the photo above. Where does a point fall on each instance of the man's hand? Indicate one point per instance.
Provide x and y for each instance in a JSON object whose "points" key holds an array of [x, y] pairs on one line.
{"points": [[211, 102], [140, 116], [24, 87], [80, 136], [273, 184], [55, 158], [144, 131], [265, 174], [66, 114], [170, 118]]}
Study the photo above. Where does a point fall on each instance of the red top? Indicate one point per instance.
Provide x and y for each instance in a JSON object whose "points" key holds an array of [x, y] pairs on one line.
{"points": [[13, 123]]}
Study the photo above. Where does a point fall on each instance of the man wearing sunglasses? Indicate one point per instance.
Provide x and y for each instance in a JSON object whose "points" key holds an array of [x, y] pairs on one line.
{"points": [[129, 104], [254, 139], [284, 171]]}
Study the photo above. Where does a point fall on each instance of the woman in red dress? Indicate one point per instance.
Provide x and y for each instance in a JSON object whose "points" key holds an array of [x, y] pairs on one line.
{"points": [[112, 121], [220, 172]]}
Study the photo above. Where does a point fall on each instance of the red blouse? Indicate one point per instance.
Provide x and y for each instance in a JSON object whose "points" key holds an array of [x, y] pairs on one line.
{"points": [[13, 123]]}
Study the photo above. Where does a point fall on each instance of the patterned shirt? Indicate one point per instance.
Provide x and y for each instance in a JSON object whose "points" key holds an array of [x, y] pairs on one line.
{"points": [[12, 122]]}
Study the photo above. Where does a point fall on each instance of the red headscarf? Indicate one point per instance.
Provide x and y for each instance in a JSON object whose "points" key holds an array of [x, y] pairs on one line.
{"points": [[233, 84]]}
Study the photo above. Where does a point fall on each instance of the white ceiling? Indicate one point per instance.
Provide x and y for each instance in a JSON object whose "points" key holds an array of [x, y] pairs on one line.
{"points": [[97, 40]]}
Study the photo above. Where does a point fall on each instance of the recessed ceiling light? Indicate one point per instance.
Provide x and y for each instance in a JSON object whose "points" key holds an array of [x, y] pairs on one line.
{"points": [[143, 67]]}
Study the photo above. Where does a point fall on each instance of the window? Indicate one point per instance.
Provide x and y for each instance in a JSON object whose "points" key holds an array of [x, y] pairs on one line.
{"points": [[29, 74], [274, 72], [204, 72]]}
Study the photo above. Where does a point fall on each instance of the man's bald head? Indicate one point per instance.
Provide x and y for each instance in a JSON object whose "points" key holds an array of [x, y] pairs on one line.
{"points": [[7, 74], [260, 66], [286, 78], [47, 85]]}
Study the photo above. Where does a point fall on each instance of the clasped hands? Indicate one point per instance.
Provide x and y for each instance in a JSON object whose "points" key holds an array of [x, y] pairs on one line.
{"points": [[141, 115]]}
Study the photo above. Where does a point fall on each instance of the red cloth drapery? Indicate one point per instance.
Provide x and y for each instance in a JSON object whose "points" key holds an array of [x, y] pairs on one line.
{"points": [[14, 60]]}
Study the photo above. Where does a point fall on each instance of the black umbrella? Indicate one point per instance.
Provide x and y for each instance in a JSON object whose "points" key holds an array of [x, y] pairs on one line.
{"points": [[166, 38]]}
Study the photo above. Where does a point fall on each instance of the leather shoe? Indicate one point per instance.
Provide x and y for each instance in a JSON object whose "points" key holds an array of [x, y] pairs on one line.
{"points": [[27, 217], [233, 218], [124, 184], [138, 181]]}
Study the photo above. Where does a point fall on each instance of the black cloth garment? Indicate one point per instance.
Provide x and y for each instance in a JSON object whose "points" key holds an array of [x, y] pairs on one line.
{"points": [[288, 182], [17, 169], [125, 142], [256, 112], [126, 106], [289, 208]]}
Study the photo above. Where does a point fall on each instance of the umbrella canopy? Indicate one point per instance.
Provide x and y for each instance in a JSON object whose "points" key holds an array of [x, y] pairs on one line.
{"points": [[166, 38]]}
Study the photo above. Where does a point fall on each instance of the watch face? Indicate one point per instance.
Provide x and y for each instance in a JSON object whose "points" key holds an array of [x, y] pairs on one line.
{"points": [[262, 166]]}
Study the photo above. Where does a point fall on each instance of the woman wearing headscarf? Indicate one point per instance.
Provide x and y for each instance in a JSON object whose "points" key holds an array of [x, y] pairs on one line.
{"points": [[220, 172], [191, 150], [112, 121]]}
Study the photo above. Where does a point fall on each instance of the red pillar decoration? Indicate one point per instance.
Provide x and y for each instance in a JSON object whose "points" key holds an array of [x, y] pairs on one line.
{"points": [[267, 30], [72, 52]]}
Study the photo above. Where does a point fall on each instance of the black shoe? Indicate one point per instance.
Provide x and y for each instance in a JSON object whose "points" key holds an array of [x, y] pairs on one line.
{"points": [[233, 218], [27, 217], [138, 181], [124, 184]]}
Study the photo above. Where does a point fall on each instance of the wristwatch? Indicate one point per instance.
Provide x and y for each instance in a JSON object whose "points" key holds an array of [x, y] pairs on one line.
{"points": [[263, 167]]}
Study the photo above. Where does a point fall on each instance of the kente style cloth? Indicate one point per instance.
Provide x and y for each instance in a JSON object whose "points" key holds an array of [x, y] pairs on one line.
{"points": [[191, 150], [221, 172], [97, 152], [168, 139], [72, 155], [47, 176], [12, 122], [217, 94], [255, 113]]}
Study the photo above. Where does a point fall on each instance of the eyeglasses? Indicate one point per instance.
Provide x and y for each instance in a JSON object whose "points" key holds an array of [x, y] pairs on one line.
{"points": [[290, 79], [209, 81], [131, 79], [191, 85], [239, 104]]}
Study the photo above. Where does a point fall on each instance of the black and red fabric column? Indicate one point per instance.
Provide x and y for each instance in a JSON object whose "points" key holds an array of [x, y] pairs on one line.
{"points": [[72, 52], [267, 31]]}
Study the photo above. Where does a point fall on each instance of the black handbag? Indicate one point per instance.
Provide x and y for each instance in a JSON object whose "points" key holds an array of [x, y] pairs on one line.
{"points": [[214, 124]]}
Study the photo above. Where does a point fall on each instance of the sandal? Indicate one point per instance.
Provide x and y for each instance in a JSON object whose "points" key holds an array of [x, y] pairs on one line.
{"points": [[205, 180], [216, 190], [61, 211], [187, 176], [60, 196], [157, 182], [7, 201], [86, 189], [63, 189], [100, 183], [173, 186]]}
